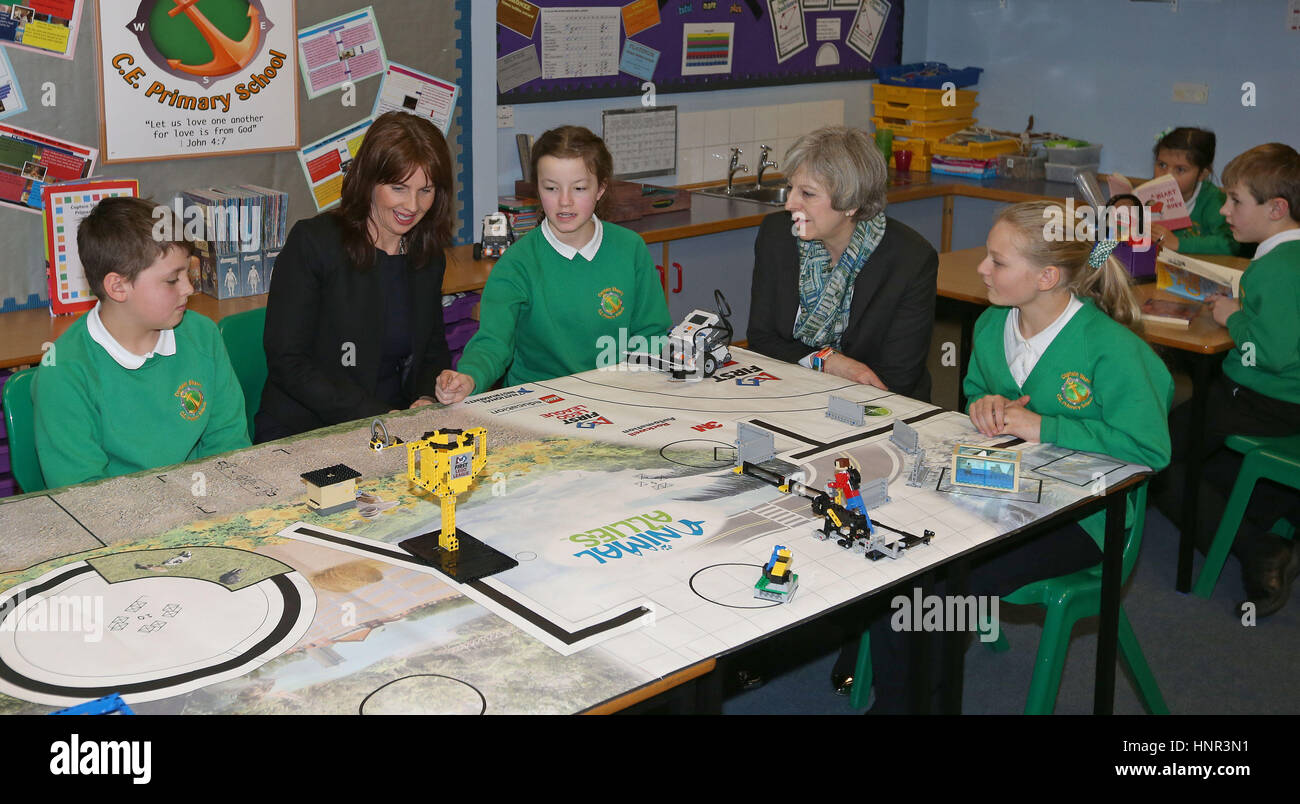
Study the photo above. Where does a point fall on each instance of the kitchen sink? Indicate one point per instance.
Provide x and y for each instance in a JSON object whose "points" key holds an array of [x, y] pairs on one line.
{"points": [[774, 195]]}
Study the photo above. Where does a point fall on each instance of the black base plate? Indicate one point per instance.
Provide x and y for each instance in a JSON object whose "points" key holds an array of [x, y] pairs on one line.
{"points": [[472, 561]]}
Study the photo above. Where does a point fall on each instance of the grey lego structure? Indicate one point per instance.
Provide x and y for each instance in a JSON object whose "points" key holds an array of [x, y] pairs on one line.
{"points": [[906, 438], [753, 444], [875, 493], [844, 410], [916, 477]]}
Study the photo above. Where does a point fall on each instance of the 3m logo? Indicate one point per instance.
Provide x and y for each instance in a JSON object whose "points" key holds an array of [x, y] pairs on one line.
{"points": [[756, 379], [700, 428], [752, 375], [551, 399]]}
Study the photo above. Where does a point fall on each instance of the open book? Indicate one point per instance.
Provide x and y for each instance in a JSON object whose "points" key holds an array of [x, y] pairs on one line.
{"points": [[1161, 196], [1171, 313], [1195, 279]]}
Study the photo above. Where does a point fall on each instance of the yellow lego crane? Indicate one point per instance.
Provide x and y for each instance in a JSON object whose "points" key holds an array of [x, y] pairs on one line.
{"points": [[442, 462]]}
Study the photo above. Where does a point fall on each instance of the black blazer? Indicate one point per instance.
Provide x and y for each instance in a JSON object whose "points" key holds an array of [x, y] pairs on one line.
{"points": [[891, 318], [318, 304]]}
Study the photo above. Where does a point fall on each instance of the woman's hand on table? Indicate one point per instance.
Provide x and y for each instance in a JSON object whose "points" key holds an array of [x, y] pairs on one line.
{"points": [[990, 414], [453, 386], [850, 369], [421, 402], [1222, 308]]}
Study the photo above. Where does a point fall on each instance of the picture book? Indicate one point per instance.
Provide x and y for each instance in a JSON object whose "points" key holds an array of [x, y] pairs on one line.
{"points": [[1195, 279], [1160, 195]]}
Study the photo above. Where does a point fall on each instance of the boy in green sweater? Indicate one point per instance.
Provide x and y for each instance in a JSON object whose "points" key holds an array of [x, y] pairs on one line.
{"points": [[137, 382], [1258, 392]]}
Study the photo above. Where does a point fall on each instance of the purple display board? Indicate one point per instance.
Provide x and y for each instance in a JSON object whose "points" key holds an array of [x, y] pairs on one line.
{"points": [[560, 49]]}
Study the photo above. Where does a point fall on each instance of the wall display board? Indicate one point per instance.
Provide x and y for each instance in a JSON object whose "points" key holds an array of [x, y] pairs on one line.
{"points": [[559, 49], [177, 81]]}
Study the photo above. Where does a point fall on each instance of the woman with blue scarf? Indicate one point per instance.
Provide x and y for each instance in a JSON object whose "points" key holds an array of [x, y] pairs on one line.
{"points": [[837, 285]]}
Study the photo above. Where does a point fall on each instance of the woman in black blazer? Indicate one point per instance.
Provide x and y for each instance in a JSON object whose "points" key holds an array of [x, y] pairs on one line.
{"points": [[852, 284], [354, 317]]}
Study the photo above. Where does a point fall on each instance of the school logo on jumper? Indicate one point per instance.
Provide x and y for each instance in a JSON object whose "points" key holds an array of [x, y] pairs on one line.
{"points": [[1076, 391], [611, 303], [192, 401], [201, 41]]}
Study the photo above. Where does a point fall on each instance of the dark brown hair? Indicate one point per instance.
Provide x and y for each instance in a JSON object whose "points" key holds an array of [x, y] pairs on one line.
{"points": [[395, 146], [576, 142], [1268, 171], [124, 236], [1197, 143]]}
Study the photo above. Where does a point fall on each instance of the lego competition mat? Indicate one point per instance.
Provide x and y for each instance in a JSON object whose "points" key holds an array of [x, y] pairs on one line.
{"points": [[212, 588]]}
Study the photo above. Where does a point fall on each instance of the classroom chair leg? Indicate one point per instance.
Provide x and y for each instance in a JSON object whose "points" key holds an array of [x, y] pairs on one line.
{"points": [[860, 695], [1226, 533], [1049, 664], [1131, 652]]}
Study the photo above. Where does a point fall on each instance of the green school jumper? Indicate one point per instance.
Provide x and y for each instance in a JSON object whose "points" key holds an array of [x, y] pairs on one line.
{"points": [[96, 419], [544, 316], [1269, 321], [1098, 387], [1209, 232]]}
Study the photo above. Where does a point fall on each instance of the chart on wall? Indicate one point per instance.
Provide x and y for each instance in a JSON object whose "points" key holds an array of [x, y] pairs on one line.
{"points": [[187, 79], [553, 49]]}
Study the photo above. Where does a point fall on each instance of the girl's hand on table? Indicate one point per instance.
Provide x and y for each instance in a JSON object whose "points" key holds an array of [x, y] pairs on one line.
{"points": [[453, 386], [989, 413]]}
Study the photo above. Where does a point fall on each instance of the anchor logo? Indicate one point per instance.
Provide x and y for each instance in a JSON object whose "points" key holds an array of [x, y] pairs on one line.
{"points": [[228, 55], [181, 50]]}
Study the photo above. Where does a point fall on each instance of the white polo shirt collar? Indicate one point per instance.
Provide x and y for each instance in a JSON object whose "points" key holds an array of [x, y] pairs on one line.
{"points": [[1276, 240], [1023, 353], [568, 252], [126, 359]]}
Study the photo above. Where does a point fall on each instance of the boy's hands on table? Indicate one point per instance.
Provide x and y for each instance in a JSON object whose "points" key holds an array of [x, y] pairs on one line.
{"points": [[453, 386], [1222, 308]]}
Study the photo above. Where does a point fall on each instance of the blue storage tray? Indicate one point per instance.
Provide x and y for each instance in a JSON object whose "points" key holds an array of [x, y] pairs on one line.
{"points": [[928, 75]]}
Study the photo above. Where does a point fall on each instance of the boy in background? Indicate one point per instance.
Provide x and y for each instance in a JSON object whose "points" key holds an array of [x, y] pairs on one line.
{"points": [[137, 382], [1258, 392]]}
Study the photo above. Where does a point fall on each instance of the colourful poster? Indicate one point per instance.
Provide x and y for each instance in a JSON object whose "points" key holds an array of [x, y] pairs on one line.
{"points": [[343, 50], [165, 94], [42, 26]]}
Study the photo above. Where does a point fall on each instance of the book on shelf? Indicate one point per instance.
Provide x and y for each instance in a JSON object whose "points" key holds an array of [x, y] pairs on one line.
{"points": [[1195, 279], [1160, 195], [1170, 313]]}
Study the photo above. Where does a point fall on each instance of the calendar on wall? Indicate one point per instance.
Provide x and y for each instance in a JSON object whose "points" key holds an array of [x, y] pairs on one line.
{"points": [[643, 142]]}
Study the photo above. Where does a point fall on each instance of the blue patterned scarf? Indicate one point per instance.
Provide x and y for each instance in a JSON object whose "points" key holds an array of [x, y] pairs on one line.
{"points": [[825, 290]]}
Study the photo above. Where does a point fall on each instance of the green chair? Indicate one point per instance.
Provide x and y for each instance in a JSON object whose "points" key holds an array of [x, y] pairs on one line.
{"points": [[20, 421], [242, 334], [1067, 599], [1275, 458]]}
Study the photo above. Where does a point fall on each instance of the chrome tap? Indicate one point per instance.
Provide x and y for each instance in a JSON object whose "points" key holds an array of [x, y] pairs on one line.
{"points": [[734, 166], [764, 163]]}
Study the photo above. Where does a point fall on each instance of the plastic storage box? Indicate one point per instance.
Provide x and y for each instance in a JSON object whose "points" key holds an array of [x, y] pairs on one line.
{"points": [[928, 75], [924, 98], [1066, 173], [1019, 166], [923, 112], [1064, 155]]}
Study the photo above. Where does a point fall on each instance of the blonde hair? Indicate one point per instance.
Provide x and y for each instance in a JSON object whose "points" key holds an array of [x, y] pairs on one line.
{"points": [[1109, 286]]}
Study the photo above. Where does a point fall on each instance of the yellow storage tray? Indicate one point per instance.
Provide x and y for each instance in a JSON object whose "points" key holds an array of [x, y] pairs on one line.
{"points": [[976, 150], [925, 98], [914, 111], [917, 128]]}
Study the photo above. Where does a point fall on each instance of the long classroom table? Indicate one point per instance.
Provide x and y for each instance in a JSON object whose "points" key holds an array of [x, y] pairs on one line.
{"points": [[638, 549], [1204, 342]]}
